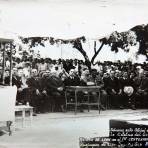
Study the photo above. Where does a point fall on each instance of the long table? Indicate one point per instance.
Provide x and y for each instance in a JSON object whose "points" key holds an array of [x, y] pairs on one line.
{"points": [[88, 89]]}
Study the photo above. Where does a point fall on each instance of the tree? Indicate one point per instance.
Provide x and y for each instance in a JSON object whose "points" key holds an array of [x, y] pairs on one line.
{"points": [[76, 43], [124, 40]]}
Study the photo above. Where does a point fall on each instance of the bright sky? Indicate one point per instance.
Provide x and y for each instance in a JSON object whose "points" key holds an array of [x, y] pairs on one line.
{"points": [[70, 19]]}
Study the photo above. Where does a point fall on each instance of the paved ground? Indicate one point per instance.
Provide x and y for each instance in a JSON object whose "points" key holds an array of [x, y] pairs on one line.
{"points": [[62, 130]]}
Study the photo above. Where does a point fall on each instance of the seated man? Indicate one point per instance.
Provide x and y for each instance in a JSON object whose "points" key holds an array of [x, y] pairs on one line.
{"points": [[72, 79], [94, 79], [114, 91], [18, 80], [33, 92], [54, 87], [128, 91], [142, 91]]}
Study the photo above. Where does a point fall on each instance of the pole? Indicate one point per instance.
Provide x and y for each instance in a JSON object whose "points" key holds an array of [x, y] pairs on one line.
{"points": [[10, 64], [3, 78], [61, 52], [61, 57]]}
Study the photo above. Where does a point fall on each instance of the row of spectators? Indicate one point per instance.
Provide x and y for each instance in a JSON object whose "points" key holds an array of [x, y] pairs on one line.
{"points": [[42, 82]]}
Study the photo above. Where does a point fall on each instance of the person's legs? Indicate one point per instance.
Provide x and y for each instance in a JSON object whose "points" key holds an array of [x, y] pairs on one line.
{"points": [[104, 99], [132, 102], [118, 101], [112, 101], [59, 102], [145, 100], [125, 100], [121, 101], [138, 100]]}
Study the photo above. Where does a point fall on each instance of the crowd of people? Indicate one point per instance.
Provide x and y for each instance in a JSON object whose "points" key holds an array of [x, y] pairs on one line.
{"points": [[42, 82]]}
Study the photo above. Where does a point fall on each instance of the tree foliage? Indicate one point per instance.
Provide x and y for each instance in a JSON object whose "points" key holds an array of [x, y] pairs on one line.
{"points": [[123, 40]]}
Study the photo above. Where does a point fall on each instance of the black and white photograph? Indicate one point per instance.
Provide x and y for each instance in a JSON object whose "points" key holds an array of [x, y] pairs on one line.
{"points": [[73, 73]]}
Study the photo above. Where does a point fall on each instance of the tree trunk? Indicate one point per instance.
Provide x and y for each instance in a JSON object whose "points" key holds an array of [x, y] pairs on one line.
{"points": [[78, 45], [96, 53]]}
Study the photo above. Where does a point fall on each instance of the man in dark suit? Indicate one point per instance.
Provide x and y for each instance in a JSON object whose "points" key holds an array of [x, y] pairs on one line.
{"points": [[17, 80], [73, 79], [54, 88], [142, 91], [127, 85], [114, 91], [16, 77], [34, 92]]}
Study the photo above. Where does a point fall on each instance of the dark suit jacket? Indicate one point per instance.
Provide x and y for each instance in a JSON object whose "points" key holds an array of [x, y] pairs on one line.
{"points": [[34, 83], [144, 84], [51, 85], [74, 82], [127, 82], [113, 84], [15, 81]]}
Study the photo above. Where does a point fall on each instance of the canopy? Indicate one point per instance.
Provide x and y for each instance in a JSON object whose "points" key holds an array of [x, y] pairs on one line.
{"points": [[4, 40]]}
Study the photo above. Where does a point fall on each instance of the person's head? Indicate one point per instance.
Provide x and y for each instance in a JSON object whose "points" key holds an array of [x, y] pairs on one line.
{"points": [[56, 68], [59, 61], [138, 68], [112, 74], [125, 74], [18, 60], [75, 62], [132, 75], [14, 71], [94, 73], [63, 76], [27, 64], [20, 72], [117, 74], [72, 72], [46, 73], [42, 61], [7, 73], [106, 75], [145, 74], [34, 73]]}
